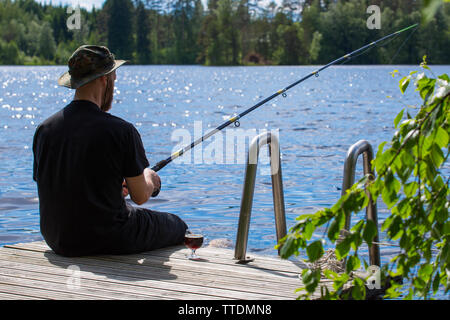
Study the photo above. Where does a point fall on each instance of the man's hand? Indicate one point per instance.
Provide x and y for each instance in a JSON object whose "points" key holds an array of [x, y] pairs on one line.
{"points": [[142, 187], [152, 178]]}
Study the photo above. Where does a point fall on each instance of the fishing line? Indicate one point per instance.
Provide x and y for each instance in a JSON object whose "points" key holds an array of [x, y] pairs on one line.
{"points": [[368, 49], [401, 46], [161, 164], [395, 55]]}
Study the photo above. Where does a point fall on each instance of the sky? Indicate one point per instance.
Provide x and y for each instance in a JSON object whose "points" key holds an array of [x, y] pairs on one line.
{"points": [[87, 4]]}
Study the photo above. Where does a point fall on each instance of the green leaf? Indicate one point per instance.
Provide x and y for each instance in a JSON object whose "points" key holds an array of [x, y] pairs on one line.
{"points": [[309, 229], [405, 240], [340, 281], [426, 87], [446, 228], [442, 137], [410, 189], [393, 73], [310, 279], [314, 250], [391, 188], [444, 77], [395, 228], [289, 247], [370, 231], [358, 289], [425, 271], [387, 223], [336, 226], [427, 144], [404, 82], [330, 274], [353, 263], [303, 217], [407, 159], [419, 225], [343, 248], [436, 283], [398, 118], [358, 226], [380, 148], [442, 215], [437, 155]]}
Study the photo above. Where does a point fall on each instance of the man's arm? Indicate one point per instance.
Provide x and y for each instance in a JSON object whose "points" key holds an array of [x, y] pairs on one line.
{"points": [[141, 187]]}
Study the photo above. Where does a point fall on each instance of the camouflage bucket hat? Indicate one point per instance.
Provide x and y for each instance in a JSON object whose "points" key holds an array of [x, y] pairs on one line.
{"points": [[87, 63]]}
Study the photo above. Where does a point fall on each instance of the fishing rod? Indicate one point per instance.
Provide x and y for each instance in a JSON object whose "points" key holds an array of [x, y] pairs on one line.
{"points": [[235, 119]]}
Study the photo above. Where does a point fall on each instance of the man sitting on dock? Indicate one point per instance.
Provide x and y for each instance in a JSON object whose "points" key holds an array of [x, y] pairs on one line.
{"points": [[85, 163]]}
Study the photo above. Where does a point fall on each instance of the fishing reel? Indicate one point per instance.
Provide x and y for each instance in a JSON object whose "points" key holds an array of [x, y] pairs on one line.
{"points": [[156, 192]]}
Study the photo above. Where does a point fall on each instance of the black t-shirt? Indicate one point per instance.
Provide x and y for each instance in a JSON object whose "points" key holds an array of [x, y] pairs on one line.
{"points": [[81, 156]]}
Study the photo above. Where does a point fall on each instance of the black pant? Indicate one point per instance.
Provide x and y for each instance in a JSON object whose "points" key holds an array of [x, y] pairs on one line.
{"points": [[144, 230], [148, 230]]}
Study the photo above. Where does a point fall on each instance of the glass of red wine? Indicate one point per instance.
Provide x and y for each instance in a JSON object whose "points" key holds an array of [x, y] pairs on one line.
{"points": [[193, 239]]}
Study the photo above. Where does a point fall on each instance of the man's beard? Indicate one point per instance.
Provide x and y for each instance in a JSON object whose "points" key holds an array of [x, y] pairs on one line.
{"points": [[108, 97]]}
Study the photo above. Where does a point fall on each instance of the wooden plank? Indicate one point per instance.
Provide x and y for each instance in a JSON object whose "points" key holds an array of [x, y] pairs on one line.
{"points": [[292, 281], [139, 265], [29, 264], [130, 274], [211, 292], [59, 275], [229, 254], [160, 273], [31, 293], [226, 256], [25, 290], [98, 291], [242, 271], [27, 278], [250, 268], [218, 255], [11, 296]]}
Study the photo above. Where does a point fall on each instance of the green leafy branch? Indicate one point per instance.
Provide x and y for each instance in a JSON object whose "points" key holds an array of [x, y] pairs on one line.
{"points": [[411, 183]]}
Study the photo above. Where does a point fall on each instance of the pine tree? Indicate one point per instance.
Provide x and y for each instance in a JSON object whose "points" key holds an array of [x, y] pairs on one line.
{"points": [[47, 46], [120, 28], [143, 50]]}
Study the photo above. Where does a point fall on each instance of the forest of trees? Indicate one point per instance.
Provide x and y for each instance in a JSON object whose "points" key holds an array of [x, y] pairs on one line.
{"points": [[226, 32]]}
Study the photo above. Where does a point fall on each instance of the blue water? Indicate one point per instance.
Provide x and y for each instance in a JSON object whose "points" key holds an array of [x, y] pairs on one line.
{"points": [[317, 122]]}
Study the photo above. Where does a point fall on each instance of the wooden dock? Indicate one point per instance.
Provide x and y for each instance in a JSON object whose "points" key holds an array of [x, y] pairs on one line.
{"points": [[33, 271]]}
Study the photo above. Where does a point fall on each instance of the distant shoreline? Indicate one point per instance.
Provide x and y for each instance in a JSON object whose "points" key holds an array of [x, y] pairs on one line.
{"points": [[220, 66]]}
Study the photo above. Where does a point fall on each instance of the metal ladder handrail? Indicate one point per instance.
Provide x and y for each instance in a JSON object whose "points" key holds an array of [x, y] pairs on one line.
{"points": [[364, 147], [248, 191]]}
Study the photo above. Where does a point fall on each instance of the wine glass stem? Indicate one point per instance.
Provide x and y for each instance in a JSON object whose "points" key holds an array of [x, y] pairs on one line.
{"points": [[193, 252]]}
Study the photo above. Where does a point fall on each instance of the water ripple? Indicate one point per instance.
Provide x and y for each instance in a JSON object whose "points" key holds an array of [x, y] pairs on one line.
{"points": [[317, 123]]}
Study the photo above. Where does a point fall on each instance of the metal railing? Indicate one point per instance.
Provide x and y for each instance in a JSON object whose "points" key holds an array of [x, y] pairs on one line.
{"points": [[364, 147], [248, 191]]}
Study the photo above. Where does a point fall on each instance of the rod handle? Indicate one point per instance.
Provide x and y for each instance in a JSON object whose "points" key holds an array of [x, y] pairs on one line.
{"points": [[160, 165], [156, 168]]}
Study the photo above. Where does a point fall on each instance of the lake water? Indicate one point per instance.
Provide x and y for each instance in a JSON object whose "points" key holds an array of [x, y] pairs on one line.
{"points": [[317, 122]]}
